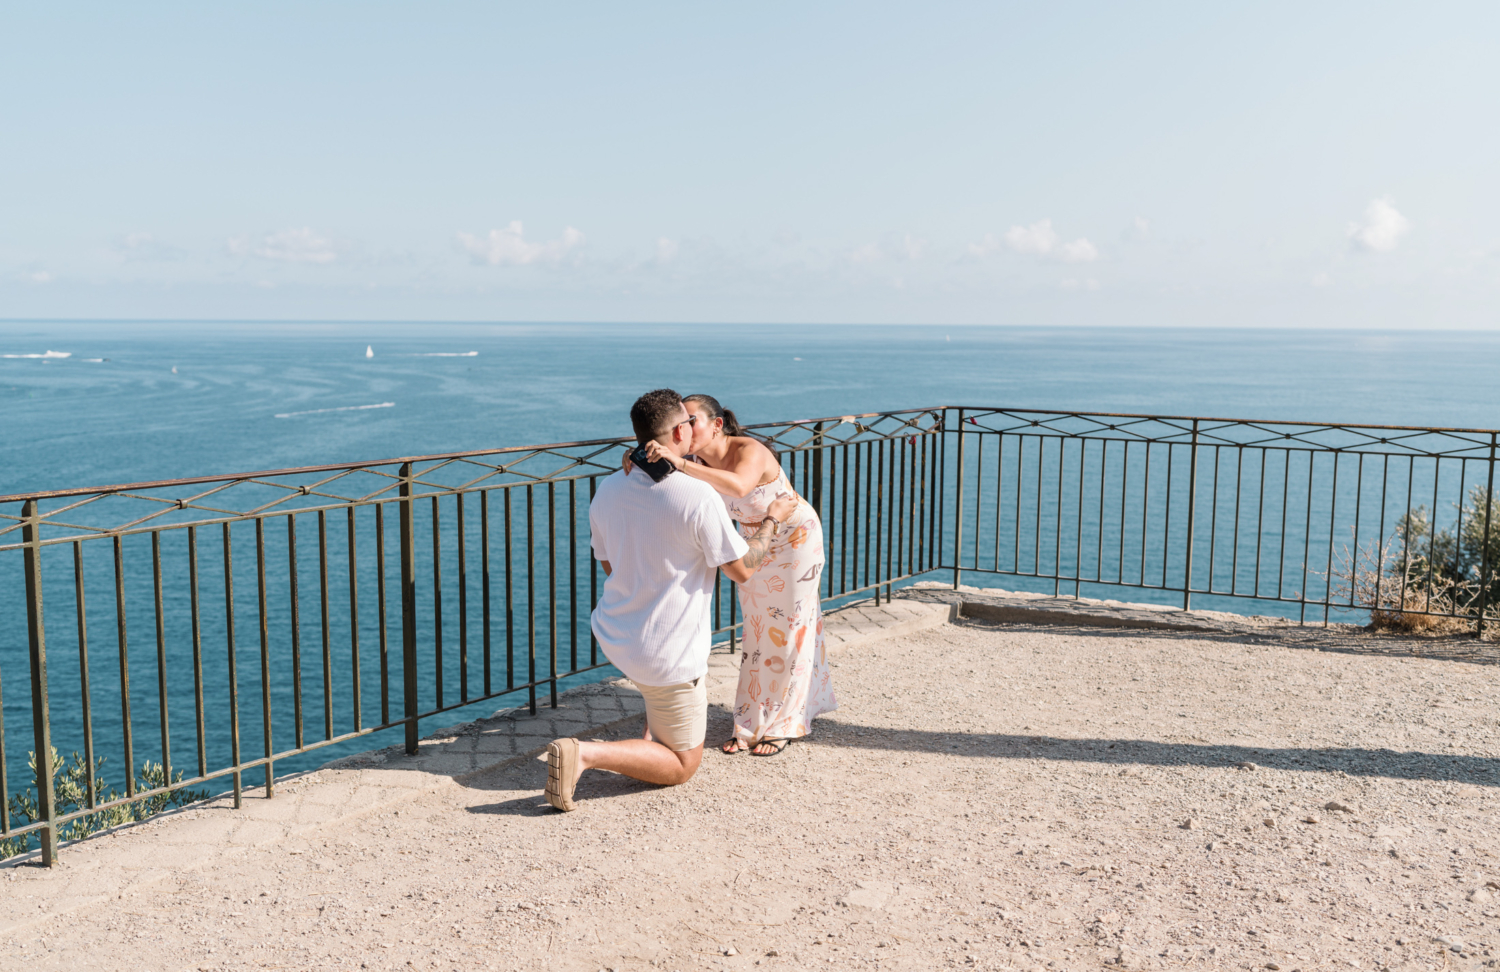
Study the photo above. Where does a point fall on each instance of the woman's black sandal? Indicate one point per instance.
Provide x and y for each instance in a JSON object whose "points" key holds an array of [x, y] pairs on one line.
{"points": [[777, 746]]}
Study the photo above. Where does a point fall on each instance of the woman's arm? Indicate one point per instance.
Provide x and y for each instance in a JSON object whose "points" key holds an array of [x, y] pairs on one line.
{"points": [[750, 462], [743, 569]]}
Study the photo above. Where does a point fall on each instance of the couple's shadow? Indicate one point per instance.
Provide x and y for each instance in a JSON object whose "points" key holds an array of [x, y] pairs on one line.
{"points": [[528, 776], [1475, 770]]}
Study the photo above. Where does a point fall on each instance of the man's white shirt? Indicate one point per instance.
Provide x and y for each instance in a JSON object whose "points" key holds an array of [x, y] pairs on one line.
{"points": [[663, 542]]}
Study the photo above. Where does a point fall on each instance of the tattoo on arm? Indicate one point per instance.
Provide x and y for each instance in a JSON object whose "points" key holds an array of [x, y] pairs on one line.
{"points": [[760, 546]]}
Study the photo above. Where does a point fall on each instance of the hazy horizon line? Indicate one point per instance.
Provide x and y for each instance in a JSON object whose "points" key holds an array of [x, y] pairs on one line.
{"points": [[733, 323]]}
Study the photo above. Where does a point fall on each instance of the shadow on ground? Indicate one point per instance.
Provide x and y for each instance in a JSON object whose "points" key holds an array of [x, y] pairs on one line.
{"points": [[1389, 763], [529, 775]]}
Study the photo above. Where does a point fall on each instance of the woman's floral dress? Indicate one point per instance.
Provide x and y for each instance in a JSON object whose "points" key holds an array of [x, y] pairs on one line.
{"points": [[784, 678]]}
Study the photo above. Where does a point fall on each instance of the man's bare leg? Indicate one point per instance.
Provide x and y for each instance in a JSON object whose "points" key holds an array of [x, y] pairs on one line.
{"points": [[640, 759]]}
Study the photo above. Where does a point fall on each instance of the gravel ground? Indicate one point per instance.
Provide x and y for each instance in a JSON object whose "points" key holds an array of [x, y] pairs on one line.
{"points": [[987, 797]]}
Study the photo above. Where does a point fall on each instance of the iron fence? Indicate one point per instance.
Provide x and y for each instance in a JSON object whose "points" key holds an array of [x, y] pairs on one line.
{"points": [[272, 605], [1340, 518], [256, 594]]}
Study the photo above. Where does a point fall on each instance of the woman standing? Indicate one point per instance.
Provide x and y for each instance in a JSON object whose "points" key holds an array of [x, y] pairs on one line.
{"points": [[784, 678]]}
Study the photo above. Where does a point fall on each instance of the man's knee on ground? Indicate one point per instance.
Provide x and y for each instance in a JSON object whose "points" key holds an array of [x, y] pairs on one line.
{"points": [[690, 760]]}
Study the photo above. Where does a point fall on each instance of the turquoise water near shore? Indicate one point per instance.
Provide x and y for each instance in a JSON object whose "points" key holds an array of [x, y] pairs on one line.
{"points": [[97, 403]]}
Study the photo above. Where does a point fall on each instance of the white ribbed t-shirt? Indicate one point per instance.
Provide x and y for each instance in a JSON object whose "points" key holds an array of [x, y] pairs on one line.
{"points": [[663, 542]]}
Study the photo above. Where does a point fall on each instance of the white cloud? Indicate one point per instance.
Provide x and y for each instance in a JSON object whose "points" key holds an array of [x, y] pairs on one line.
{"points": [[1072, 283], [666, 250], [1382, 228], [985, 246], [1138, 231], [291, 246], [1079, 251], [1320, 280], [145, 247], [36, 276], [509, 246], [909, 247], [1042, 240], [1038, 238]]}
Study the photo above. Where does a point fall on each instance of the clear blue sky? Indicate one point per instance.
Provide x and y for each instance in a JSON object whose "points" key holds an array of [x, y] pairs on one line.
{"points": [[1190, 164]]}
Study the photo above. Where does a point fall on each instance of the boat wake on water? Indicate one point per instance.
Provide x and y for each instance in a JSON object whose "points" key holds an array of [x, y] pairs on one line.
{"points": [[341, 408]]}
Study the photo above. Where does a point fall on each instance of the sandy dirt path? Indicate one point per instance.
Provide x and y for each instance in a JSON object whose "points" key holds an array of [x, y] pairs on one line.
{"points": [[986, 797]]}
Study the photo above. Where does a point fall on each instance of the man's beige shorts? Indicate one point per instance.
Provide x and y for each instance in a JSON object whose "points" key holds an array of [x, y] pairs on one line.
{"points": [[677, 715]]}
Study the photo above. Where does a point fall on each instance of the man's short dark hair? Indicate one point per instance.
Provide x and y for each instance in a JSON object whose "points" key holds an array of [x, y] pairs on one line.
{"points": [[653, 412]]}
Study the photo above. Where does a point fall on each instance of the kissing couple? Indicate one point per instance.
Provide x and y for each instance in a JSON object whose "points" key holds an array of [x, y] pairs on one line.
{"points": [[700, 495]]}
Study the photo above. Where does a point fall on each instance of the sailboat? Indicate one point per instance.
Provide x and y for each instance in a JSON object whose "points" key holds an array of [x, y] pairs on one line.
{"points": [[369, 351]]}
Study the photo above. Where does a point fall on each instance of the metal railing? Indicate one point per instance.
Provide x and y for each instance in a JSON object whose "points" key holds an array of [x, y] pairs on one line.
{"points": [[258, 587], [1277, 514], [256, 590]]}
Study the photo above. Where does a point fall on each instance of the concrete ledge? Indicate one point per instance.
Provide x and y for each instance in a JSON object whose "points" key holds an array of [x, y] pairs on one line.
{"points": [[1018, 614], [1020, 607]]}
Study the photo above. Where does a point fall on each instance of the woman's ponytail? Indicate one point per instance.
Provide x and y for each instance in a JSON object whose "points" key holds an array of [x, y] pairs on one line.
{"points": [[732, 425]]}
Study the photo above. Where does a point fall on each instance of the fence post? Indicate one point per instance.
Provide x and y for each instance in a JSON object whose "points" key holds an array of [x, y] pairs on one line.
{"points": [[1187, 578], [817, 471], [408, 610], [877, 472], [41, 716], [958, 505], [817, 504], [1484, 543]]}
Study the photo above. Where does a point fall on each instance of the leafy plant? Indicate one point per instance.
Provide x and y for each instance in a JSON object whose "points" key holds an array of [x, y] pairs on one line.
{"points": [[1426, 580], [70, 793], [1458, 555]]}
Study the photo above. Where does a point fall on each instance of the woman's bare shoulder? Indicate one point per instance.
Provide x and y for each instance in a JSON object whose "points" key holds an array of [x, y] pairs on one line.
{"points": [[752, 454], [745, 448]]}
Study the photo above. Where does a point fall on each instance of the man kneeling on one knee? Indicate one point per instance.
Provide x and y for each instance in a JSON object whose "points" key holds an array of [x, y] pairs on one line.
{"points": [[660, 543]]}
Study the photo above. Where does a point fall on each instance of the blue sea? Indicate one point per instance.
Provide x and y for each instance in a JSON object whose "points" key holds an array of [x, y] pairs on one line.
{"points": [[97, 403], [138, 401]]}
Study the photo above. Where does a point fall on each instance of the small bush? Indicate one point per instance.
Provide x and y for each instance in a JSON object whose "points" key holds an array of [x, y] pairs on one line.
{"points": [[70, 793], [1412, 617], [1401, 591]]}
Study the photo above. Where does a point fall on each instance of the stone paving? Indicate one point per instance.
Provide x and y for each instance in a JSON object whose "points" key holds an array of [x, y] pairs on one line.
{"points": [[988, 796], [130, 859]]}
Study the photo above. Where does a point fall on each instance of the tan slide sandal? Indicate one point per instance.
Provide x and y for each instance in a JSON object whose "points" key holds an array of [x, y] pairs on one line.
{"points": [[562, 773]]}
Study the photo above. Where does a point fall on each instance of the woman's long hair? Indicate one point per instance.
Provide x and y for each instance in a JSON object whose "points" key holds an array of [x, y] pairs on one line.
{"points": [[732, 425]]}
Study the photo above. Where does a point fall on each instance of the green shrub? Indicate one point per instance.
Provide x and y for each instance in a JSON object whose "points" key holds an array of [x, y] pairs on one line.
{"points": [[1456, 556], [70, 793], [1425, 580]]}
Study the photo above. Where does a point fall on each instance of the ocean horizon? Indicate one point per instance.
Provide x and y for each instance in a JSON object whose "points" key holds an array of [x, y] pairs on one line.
{"points": [[98, 402]]}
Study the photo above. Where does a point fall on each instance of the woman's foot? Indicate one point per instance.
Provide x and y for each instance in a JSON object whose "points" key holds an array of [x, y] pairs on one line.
{"points": [[732, 746], [769, 747]]}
